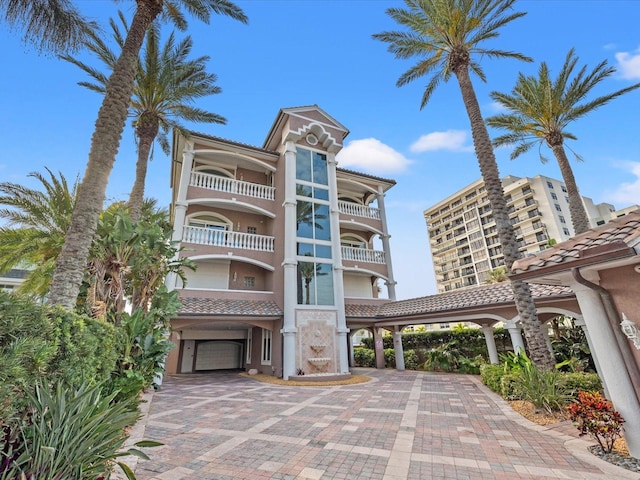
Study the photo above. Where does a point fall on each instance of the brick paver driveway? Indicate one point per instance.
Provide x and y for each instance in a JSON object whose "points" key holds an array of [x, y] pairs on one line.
{"points": [[400, 425]]}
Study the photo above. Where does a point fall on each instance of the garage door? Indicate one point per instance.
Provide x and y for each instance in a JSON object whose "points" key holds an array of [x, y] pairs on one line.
{"points": [[217, 355]]}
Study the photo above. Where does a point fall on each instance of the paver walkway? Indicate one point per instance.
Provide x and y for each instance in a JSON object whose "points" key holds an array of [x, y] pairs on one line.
{"points": [[399, 426]]}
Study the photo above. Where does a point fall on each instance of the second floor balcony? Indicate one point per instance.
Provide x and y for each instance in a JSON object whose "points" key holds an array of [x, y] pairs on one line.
{"points": [[219, 183], [363, 255], [225, 238], [357, 210]]}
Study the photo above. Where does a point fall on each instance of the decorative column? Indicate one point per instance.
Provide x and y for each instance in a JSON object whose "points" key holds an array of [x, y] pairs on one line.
{"points": [[289, 264], [338, 269], [611, 365], [397, 348], [491, 343], [579, 322], [378, 345], [180, 207], [391, 283], [352, 357], [515, 332]]}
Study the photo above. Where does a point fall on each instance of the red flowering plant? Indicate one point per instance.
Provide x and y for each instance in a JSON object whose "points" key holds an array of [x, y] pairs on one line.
{"points": [[595, 415]]}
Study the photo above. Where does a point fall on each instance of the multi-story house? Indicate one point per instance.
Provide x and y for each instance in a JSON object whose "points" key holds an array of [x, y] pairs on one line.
{"points": [[285, 243], [464, 238]]}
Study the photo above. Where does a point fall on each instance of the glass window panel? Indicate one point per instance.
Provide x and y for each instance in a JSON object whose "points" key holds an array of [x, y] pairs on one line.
{"points": [[306, 284], [304, 211], [304, 191], [305, 249], [321, 194], [322, 222], [323, 251], [320, 169], [324, 285], [303, 165]]}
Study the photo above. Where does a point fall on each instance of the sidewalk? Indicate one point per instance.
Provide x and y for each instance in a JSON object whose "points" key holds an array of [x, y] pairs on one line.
{"points": [[399, 426]]}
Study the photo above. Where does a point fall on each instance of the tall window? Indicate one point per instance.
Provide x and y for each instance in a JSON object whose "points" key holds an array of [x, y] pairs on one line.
{"points": [[313, 229], [266, 347]]}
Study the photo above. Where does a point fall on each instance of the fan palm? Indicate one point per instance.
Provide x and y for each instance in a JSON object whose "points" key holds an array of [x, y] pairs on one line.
{"points": [[49, 25], [105, 141], [36, 222], [541, 109], [166, 84], [446, 35]]}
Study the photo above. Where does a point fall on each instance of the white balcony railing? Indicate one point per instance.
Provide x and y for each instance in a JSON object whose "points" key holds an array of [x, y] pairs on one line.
{"points": [[363, 255], [223, 238], [349, 208], [229, 185]]}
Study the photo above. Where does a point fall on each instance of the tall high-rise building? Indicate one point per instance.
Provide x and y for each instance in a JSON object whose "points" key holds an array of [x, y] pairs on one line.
{"points": [[464, 237]]}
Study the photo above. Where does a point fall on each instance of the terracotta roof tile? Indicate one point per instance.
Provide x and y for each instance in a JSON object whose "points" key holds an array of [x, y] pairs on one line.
{"points": [[489, 295], [361, 311], [622, 233], [213, 306]]}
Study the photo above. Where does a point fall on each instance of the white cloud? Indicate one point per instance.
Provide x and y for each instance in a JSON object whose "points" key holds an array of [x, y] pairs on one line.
{"points": [[452, 140], [629, 64], [628, 193], [372, 156]]}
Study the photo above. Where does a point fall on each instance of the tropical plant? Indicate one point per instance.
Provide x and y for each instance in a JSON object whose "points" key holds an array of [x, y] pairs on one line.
{"points": [[35, 225], [105, 141], [446, 35], [596, 416], [542, 388], [497, 275], [75, 434], [540, 111], [50, 25], [166, 84]]}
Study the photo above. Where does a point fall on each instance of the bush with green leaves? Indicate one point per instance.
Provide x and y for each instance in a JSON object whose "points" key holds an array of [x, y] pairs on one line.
{"points": [[572, 383], [491, 375], [40, 343], [71, 434], [410, 359], [364, 357]]}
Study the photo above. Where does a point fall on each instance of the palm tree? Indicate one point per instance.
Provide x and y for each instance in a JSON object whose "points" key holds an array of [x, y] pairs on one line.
{"points": [[166, 84], [49, 25], [105, 141], [36, 222], [445, 35], [497, 275], [541, 110]]}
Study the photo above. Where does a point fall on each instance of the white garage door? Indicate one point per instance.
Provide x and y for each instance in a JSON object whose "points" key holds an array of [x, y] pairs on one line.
{"points": [[218, 355]]}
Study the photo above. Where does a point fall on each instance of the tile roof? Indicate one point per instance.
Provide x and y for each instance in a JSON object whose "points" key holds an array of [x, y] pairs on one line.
{"points": [[485, 295], [213, 306], [361, 311], [616, 239]]}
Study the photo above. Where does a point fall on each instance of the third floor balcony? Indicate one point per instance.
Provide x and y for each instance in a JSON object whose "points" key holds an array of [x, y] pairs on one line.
{"points": [[219, 183], [358, 210]]}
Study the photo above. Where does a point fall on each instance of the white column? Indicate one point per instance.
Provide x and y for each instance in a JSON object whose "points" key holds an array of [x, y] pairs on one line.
{"points": [[352, 357], [180, 207], [391, 283], [579, 322], [491, 343], [289, 264], [378, 345], [397, 348], [607, 354], [515, 332], [338, 270]]}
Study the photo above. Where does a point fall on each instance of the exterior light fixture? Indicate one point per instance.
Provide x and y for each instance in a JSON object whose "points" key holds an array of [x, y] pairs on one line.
{"points": [[630, 329]]}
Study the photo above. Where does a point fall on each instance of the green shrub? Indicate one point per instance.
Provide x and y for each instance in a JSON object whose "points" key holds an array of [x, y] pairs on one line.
{"points": [[491, 375], [364, 357], [542, 388], [510, 386], [574, 382], [411, 361], [71, 434]]}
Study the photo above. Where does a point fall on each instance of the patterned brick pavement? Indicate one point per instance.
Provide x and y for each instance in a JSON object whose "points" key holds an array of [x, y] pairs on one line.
{"points": [[399, 426]]}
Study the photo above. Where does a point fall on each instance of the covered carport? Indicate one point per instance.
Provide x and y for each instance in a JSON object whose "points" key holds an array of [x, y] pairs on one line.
{"points": [[486, 306]]}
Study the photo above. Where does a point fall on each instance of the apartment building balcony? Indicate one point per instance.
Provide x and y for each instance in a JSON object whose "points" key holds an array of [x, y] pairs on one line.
{"points": [[357, 210], [363, 255], [218, 183], [224, 238]]}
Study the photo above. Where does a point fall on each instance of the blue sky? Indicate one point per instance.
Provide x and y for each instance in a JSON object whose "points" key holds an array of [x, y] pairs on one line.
{"points": [[302, 52]]}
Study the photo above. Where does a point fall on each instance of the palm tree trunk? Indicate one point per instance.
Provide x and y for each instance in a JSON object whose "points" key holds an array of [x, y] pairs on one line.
{"points": [[579, 217], [112, 116], [536, 338], [146, 133]]}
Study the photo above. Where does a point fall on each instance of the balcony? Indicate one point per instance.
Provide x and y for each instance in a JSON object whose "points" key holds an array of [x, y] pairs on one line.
{"points": [[357, 210], [363, 255], [229, 185], [223, 238]]}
